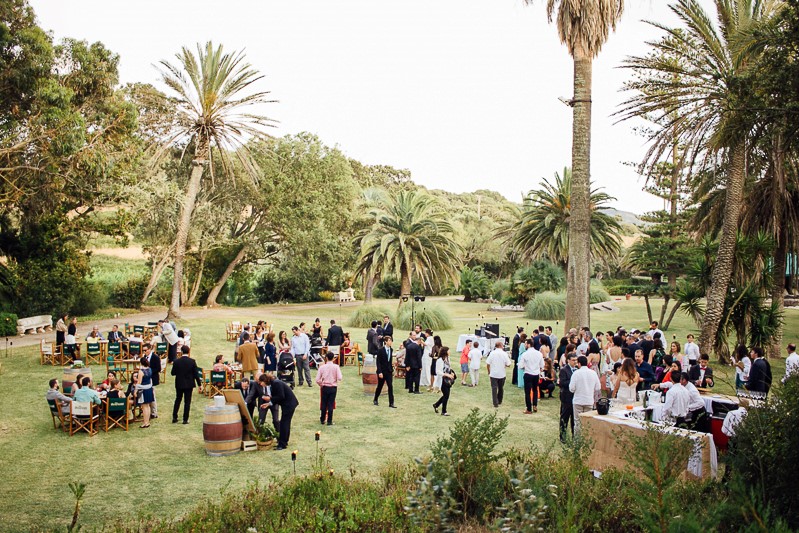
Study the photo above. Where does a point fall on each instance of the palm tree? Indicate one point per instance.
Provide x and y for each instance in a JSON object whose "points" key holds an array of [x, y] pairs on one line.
{"points": [[543, 228], [583, 26], [210, 100], [409, 236], [700, 66]]}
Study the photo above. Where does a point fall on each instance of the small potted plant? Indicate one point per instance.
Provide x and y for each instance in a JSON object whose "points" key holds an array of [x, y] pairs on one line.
{"points": [[265, 435]]}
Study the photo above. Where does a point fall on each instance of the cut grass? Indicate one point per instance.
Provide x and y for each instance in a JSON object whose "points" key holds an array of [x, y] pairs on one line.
{"points": [[164, 471]]}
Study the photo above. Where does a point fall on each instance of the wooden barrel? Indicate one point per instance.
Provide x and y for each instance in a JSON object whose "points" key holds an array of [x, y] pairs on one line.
{"points": [[69, 377], [369, 376], [222, 430]]}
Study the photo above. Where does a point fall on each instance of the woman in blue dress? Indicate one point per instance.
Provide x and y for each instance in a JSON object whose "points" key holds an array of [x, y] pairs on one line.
{"points": [[144, 389], [270, 354]]}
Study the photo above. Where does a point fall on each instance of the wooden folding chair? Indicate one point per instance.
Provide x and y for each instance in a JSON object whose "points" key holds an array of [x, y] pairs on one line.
{"points": [[71, 352], [134, 350], [116, 413], [120, 370], [82, 418], [218, 383], [138, 331], [93, 353], [59, 417], [46, 353]]}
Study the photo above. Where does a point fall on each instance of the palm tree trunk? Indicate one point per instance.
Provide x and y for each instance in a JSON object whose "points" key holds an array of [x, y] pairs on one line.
{"points": [[579, 272], [722, 267], [192, 191], [214, 294], [369, 288], [778, 198], [405, 281]]}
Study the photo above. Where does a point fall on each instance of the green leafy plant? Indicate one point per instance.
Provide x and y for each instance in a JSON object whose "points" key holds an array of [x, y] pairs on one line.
{"points": [[598, 294], [474, 283], [365, 314], [77, 489], [428, 315], [547, 306], [8, 324], [264, 432]]}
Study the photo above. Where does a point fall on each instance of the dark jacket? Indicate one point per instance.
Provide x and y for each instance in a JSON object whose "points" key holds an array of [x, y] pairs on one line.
{"points": [[372, 343], [335, 335], [695, 372], [255, 394], [514, 348], [116, 336], [646, 372], [155, 366], [760, 376], [384, 362], [413, 355], [185, 371], [388, 331], [283, 396], [565, 377]]}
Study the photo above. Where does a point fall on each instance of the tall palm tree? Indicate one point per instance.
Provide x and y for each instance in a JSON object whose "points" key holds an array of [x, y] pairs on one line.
{"points": [[583, 26], [543, 228], [211, 96], [410, 235], [700, 66]]}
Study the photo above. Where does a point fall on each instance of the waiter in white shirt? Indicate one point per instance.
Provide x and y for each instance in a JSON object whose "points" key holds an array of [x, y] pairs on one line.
{"points": [[532, 363], [791, 363], [496, 363], [677, 401], [691, 350], [697, 414], [585, 387]]}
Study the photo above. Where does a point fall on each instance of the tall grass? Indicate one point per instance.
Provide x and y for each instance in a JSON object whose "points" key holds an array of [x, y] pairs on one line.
{"points": [[547, 306], [365, 314], [111, 271], [431, 316]]}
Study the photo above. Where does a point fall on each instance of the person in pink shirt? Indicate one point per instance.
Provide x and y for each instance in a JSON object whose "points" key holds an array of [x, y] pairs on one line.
{"points": [[328, 377]]}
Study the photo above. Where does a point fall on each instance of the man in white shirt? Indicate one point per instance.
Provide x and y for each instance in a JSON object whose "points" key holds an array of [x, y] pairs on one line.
{"points": [[791, 363], [742, 368], [697, 414], [475, 355], [677, 400], [585, 387], [496, 363], [532, 363], [653, 328], [691, 350]]}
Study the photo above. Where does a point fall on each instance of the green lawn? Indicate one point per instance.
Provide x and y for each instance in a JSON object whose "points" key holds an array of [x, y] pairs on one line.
{"points": [[164, 471]]}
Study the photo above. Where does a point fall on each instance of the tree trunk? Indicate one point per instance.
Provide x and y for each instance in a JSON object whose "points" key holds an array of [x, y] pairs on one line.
{"points": [[579, 273], [195, 288], [369, 288], [778, 198], [722, 268], [405, 283], [663, 309], [665, 326], [648, 308], [214, 294], [192, 191], [155, 276]]}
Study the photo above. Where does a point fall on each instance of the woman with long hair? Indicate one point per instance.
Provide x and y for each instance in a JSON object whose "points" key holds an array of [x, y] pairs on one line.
{"points": [[144, 390], [437, 364], [626, 382], [270, 354], [447, 379]]}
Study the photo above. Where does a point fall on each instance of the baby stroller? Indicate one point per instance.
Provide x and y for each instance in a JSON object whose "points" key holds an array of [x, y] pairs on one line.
{"points": [[285, 368], [316, 359]]}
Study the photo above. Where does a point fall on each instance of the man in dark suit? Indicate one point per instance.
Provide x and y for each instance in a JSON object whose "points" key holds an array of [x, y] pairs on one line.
{"points": [[280, 395], [114, 335], [186, 374], [245, 387], [255, 396], [335, 338], [385, 371], [155, 366], [372, 341], [566, 396], [701, 375], [413, 363], [760, 373], [646, 374], [388, 329]]}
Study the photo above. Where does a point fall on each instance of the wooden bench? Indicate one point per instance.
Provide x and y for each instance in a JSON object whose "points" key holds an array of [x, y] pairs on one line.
{"points": [[38, 324]]}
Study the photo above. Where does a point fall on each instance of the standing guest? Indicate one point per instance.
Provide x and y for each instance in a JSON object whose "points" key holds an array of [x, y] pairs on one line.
{"points": [[385, 371], [515, 351], [61, 330], [248, 355], [677, 400], [743, 365], [448, 378], [584, 384], [674, 352], [760, 375], [646, 344], [701, 375], [475, 354], [667, 382], [427, 349], [626, 382], [566, 396], [283, 343], [657, 356], [130, 392], [435, 355], [464, 361], [372, 339], [791, 363], [532, 364], [388, 328], [646, 374], [115, 335], [316, 329], [270, 353], [186, 375], [280, 395], [300, 348], [260, 342], [86, 393], [691, 350], [496, 363], [546, 383], [54, 394], [72, 331], [155, 367], [328, 377], [167, 331], [144, 390], [413, 363], [553, 341], [335, 338]]}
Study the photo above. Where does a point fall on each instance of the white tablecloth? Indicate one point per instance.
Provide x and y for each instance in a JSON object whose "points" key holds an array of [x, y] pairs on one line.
{"points": [[486, 345]]}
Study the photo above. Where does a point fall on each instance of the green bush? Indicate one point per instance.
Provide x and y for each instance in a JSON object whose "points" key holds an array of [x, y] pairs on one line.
{"points": [[363, 316], [501, 289], [88, 297], [128, 294], [598, 294], [474, 283], [428, 315], [538, 277], [547, 306], [8, 324]]}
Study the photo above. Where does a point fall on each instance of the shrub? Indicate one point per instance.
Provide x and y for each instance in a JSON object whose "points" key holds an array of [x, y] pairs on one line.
{"points": [[8, 324], [363, 316], [428, 315], [540, 276], [128, 294], [598, 294], [474, 283], [88, 297], [501, 290], [547, 306], [326, 295]]}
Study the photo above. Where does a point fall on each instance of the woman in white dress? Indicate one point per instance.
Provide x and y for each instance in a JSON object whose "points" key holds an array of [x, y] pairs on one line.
{"points": [[626, 382], [436, 365], [424, 381]]}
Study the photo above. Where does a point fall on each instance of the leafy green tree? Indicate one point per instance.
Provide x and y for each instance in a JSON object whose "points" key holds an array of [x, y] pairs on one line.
{"points": [[542, 229], [540, 276], [474, 283], [583, 26], [210, 95], [410, 236]]}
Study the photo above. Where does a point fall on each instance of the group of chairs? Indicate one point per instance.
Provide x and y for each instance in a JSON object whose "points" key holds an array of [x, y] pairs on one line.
{"points": [[83, 416]]}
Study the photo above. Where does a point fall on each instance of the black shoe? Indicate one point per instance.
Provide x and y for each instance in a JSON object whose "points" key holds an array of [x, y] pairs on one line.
{"points": [[444, 414], [309, 385], [185, 421], [435, 408], [417, 392], [280, 448], [330, 424], [375, 402], [174, 420], [322, 422], [392, 406], [154, 416]]}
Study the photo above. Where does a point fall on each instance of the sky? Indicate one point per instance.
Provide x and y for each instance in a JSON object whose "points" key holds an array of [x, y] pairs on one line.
{"points": [[462, 93]]}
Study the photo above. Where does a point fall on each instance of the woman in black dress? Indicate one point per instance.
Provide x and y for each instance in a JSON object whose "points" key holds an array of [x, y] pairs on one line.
{"points": [[270, 354], [447, 379]]}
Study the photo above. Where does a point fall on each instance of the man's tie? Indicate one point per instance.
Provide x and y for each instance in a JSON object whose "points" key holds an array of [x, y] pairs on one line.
{"points": [[388, 352]]}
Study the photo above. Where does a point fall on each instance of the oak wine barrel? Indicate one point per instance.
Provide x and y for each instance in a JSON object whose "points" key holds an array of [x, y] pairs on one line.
{"points": [[222, 430]]}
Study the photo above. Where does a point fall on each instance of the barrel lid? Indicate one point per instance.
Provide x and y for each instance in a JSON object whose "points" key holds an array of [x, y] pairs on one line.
{"points": [[221, 409]]}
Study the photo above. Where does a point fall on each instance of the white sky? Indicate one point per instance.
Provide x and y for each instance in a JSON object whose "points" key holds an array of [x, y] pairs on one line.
{"points": [[463, 93]]}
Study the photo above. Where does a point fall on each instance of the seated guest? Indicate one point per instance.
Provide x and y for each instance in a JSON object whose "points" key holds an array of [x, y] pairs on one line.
{"points": [[78, 384], [130, 392], [95, 335], [346, 344], [86, 393], [677, 400], [244, 387], [701, 375], [115, 389], [106, 384], [698, 419], [646, 374], [54, 394], [115, 335], [546, 382], [667, 378], [220, 366]]}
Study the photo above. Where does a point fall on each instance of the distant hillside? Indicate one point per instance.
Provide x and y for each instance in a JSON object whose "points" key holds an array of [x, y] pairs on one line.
{"points": [[625, 216]]}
